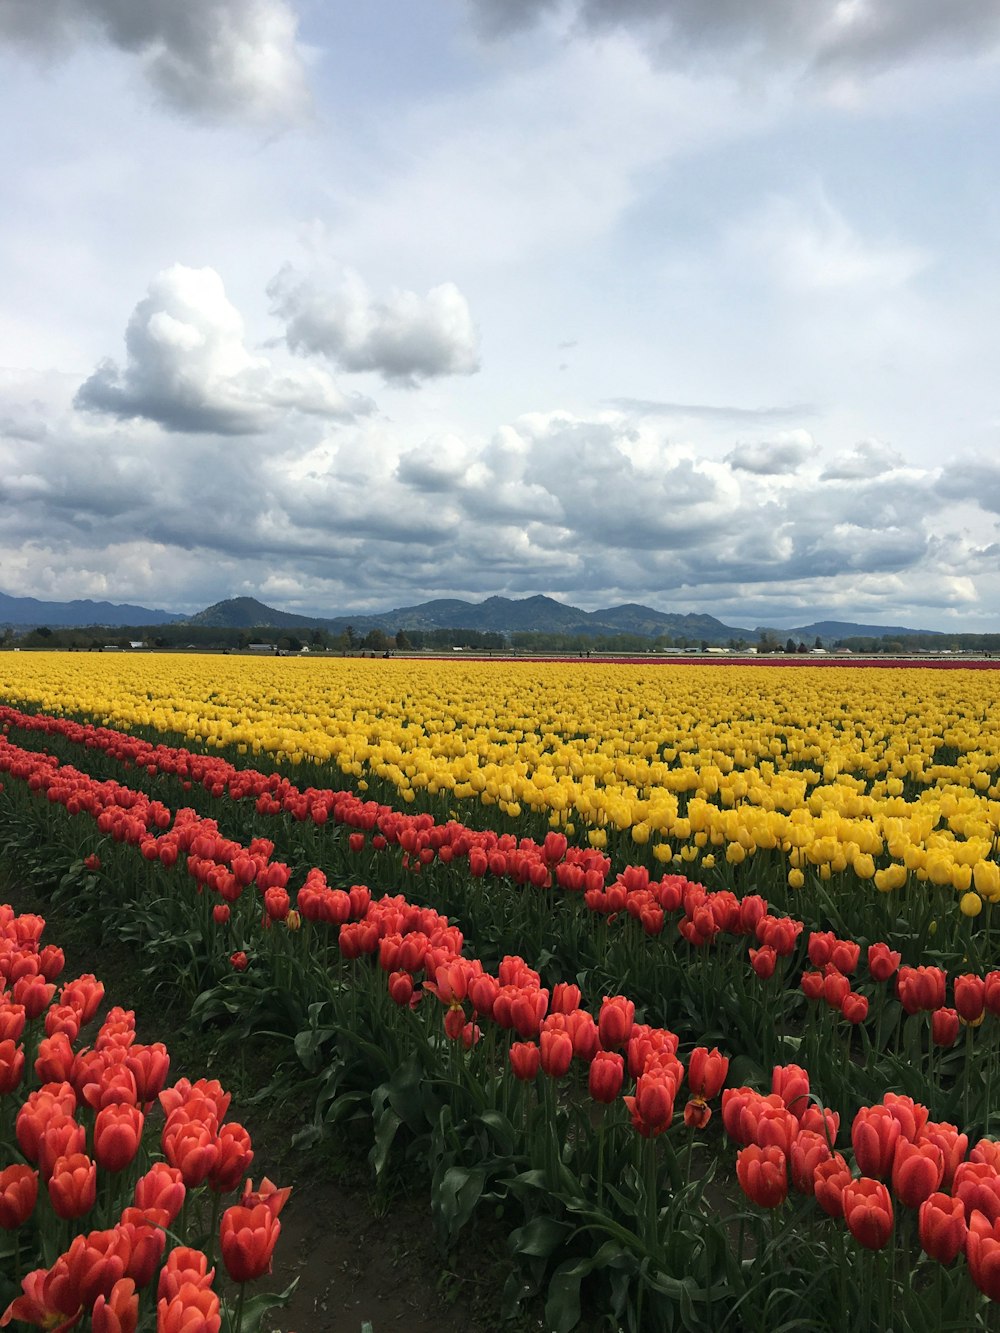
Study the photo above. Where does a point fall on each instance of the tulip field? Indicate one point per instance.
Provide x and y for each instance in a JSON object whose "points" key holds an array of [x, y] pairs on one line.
{"points": [[685, 975]]}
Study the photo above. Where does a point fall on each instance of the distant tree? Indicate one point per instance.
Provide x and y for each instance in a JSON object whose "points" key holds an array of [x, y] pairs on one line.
{"points": [[402, 641], [375, 641], [818, 643], [801, 648], [789, 645], [703, 646], [350, 636]]}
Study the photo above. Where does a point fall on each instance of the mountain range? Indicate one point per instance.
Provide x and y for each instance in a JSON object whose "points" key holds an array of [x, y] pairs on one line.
{"points": [[498, 614]]}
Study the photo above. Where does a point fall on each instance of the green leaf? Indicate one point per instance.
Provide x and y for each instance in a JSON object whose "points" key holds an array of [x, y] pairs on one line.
{"points": [[540, 1237], [385, 1132], [455, 1195]]}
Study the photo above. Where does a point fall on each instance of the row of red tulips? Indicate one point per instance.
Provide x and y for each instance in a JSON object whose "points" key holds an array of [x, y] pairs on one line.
{"points": [[703, 916], [82, 1118]]}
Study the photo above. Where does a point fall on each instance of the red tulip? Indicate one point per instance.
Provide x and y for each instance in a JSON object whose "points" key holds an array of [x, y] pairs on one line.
{"points": [[18, 1193], [247, 1238], [149, 1066], [920, 988], [652, 1106], [73, 1185], [944, 1026], [192, 1310], [982, 1252], [830, 1180], [854, 1007], [707, 1070], [912, 1116], [763, 961], [565, 998], [161, 1187], [812, 985], [615, 1021], [763, 1175], [977, 1184], [119, 1311], [820, 947], [991, 993], [239, 961], [942, 1227], [882, 961], [191, 1147], [970, 997], [117, 1135], [874, 1134], [844, 955], [791, 1084], [868, 1212], [235, 1156], [524, 1060], [917, 1171], [13, 1019], [184, 1266], [146, 1230], [836, 988], [952, 1144], [556, 1052], [11, 1066], [583, 1030], [808, 1150], [607, 1072], [268, 1193]]}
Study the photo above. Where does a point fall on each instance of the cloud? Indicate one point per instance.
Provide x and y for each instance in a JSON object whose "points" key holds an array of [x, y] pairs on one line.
{"points": [[710, 411], [785, 453], [849, 34], [210, 59], [188, 368], [868, 458], [403, 337]]}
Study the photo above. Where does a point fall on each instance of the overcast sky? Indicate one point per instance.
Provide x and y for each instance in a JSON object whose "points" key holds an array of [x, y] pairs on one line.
{"points": [[685, 302]]}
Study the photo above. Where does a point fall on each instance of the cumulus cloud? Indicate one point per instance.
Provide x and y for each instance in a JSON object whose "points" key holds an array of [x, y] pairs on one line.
{"points": [[852, 34], [596, 509], [211, 59], [403, 337], [868, 458], [782, 454], [187, 366]]}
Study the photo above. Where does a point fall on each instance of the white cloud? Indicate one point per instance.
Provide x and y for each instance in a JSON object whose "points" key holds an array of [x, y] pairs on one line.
{"points": [[189, 369], [402, 336], [868, 458], [211, 59], [782, 453]]}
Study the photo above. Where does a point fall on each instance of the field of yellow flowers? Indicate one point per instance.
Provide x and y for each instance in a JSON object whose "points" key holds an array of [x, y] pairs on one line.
{"points": [[506, 911]]}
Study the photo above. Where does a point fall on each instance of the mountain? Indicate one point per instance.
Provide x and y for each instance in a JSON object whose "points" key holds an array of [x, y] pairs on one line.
{"points": [[248, 613], [500, 615], [830, 630], [503, 615], [27, 612]]}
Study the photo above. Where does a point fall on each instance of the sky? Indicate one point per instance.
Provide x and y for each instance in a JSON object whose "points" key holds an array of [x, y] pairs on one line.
{"points": [[350, 306]]}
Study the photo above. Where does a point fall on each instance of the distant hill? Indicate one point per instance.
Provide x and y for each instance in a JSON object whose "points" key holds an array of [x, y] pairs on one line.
{"points": [[27, 612], [503, 615], [830, 630]]}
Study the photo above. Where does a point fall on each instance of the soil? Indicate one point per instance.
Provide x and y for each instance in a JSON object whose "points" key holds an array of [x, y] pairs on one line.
{"points": [[359, 1259]]}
